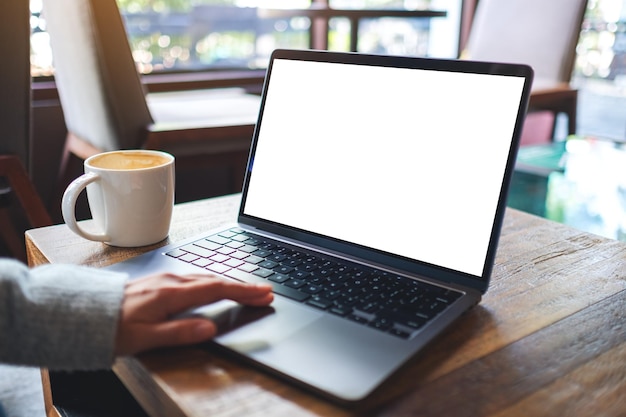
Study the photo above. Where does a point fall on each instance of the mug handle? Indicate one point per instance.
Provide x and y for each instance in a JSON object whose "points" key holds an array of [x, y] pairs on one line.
{"points": [[68, 206]]}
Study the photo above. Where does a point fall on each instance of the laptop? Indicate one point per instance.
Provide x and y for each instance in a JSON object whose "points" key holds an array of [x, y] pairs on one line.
{"points": [[373, 201]]}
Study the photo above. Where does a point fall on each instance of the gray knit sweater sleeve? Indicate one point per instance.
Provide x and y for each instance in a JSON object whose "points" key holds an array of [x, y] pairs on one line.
{"points": [[58, 316]]}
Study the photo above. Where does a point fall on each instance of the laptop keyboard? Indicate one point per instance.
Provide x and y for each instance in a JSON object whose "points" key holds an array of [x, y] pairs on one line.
{"points": [[379, 299]]}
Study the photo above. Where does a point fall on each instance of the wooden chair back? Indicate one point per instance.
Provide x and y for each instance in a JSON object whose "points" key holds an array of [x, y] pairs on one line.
{"points": [[99, 87], [15, 181], [107, 108]]}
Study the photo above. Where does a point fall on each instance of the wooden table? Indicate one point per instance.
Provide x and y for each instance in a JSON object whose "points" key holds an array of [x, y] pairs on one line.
{"points": [[548, 339]]}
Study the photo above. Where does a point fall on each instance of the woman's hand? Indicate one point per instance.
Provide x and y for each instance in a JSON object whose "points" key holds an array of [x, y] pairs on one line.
{"points": [[151, 302]]}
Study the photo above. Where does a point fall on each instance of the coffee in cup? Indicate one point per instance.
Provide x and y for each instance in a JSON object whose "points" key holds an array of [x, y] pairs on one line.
{"points": [[130, 195], [129, 160]]}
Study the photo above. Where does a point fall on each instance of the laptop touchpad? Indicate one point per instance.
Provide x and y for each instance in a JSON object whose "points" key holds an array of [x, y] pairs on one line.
{"points": [[247, 329]]}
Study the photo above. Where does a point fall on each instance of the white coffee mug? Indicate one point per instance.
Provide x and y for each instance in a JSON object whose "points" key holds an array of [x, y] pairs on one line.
{"points": [[130, 195]]}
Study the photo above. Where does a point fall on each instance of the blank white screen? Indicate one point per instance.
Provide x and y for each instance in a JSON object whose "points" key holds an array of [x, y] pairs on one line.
{"points": [[406, 161]]}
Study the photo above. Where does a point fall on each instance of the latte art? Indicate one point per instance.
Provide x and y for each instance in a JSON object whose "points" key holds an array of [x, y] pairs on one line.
{"points": [[128, 160]]}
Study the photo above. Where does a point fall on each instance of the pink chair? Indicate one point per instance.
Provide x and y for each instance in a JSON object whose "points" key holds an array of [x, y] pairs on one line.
{"points": [[538, 128]]}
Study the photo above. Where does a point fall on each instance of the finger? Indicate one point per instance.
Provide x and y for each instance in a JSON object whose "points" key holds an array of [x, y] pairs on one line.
{"points": [[170, 333], [257, 300], [204, 292], [161, 279]]}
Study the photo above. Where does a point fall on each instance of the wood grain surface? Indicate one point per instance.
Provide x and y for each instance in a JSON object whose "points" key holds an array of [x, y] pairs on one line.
{"points": [[548, 338]]}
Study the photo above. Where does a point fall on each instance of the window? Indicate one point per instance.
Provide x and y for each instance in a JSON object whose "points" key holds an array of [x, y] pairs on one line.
{"points": [[437, 37], [200, 35], [185, 35], [601, 50], [40, 55]]}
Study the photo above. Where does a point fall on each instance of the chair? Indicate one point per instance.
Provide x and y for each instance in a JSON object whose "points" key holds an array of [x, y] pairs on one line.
{"points": [[106, 108], [14, 181], [542, 34]]}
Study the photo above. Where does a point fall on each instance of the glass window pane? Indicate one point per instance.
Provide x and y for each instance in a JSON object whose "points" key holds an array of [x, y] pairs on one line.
{"points": [[385, 35], [40, 54], [399, 36], [184, 35]]}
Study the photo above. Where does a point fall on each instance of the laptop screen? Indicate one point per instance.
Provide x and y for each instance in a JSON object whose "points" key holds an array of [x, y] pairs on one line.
{"points": [[405, 161]]}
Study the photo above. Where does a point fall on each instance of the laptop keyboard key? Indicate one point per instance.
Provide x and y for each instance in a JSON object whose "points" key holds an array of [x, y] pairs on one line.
{"points": [[233, 263], [312, 288], [263, 273], [218, 268], [240, 238], [282, 269], [267, 264], [202, 263], [239, 255], [188, 257], [381, 323], [176, 253], [248, 267], [253, 259], [320, 302], [228, 234], [341, 310], [277, 257], [262, 253], [358, 319], [235, 245], [295, 283], [219, 258], [225, 250], [207, 245], [280, 278], [300, 274], [197, 250], [249, 248], [292, 262], [218, 239]]}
